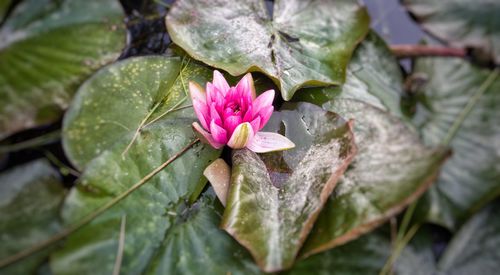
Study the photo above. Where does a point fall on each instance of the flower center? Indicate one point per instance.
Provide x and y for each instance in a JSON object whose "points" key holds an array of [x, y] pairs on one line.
{"points": [[235, 107]]}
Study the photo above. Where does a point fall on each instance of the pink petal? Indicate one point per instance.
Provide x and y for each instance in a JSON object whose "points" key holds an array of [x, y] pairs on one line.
{"points": [[231, 122], [255, 124], [196, 92], [220, 82], [205, 136], [214, 115], [246, 88], [210, 90], [265, 114], [241, 136], [264, 142], [218, 133], [201, 110], [248, 115], [263, 101]]}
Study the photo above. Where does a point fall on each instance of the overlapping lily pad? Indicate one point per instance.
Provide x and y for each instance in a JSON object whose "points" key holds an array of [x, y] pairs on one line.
{"points": [[30, 197], [274, 198], [461, 22], [47, 48], [304, 43], [392, 168], [120, 96], [373, 76], [453, 109]]}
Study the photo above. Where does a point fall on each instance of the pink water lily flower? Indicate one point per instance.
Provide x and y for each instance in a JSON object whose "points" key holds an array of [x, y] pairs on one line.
{"points": [[233, 116]]}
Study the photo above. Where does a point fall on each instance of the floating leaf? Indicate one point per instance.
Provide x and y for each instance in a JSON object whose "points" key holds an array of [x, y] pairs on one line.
{"points": [[30, 196], [392, 168], [275, 198], [373, 76], [474, 249], [152, 211], [47, 48], [471, 177], [304, 43], [461, 23], [118, 101], [364, 256]]}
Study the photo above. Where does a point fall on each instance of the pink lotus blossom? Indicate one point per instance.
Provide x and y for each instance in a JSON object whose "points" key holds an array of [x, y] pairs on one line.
{"points": [[233, 116]]}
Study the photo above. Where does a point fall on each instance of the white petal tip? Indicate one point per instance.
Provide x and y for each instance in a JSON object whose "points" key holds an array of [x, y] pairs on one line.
{"points": [[265, 142]]}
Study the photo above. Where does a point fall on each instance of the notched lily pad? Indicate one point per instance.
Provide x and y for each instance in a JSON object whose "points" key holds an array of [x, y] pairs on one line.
{"points": [[392, 169], [274, 198], [305, 43]]}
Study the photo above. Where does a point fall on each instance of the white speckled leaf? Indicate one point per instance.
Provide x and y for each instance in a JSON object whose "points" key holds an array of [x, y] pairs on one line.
{"points": [[392, 169], [274, 198], [305, 43], [47, 48]]}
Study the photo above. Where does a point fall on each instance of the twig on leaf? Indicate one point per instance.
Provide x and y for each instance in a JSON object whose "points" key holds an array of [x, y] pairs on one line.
{"points": [[90, 217], [121, 246]]}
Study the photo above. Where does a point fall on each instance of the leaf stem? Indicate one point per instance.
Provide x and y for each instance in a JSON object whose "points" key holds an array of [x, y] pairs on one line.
{"points": [[121, 246], [399, 248], [468, 108], [87, 219], [34, 142], [404, 51]]}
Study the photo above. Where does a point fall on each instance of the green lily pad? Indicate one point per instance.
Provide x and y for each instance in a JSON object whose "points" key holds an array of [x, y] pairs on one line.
{"points": [[304, 43], [367, 255], [118, 101], [275, 198], [470, 178], [47, 48], [30, 197], [474, 248], [373, 76], [392, 169], [461, 23]]}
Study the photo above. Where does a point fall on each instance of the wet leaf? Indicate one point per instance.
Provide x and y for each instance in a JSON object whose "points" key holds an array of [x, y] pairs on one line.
{"points": [[274, 198], [470, 178], [152, 211], [392, 169], [373, 76], [47, 48], [461, 23], [30, 197], [304, 43]]}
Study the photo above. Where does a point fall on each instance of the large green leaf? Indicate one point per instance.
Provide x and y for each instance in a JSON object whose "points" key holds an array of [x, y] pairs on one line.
{"points": [[304, 43], [471, 177], [196, 244], [392, 168], [365, 256], [462, 23], [30, 196], [47, 48], [474, 249], [373, 76], [118, 101], [152, 211], [274, 199]]}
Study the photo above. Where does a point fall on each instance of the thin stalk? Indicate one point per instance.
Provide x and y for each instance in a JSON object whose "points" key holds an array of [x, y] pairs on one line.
{"points": [[121, 246], [404, 51], [30, 143], [90, 217], [399, 248]]}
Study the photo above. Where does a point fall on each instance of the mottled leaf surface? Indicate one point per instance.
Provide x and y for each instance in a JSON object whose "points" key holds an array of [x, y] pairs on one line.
{"points": [[121, 99], [30, 197], [392, 168], [274, 198], [373, 76], [462, 23], [151, 211], [304, 43], [47, 48], [471, 177]]}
